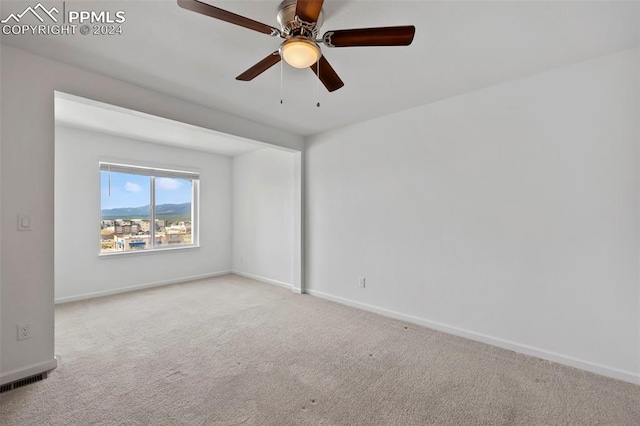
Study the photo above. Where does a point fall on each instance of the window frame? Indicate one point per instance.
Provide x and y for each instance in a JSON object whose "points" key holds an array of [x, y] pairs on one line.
{"points": [[152, 173]]}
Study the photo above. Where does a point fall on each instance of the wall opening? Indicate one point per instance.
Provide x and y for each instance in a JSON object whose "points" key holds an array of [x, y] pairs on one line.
{"points": [[247, 209]]}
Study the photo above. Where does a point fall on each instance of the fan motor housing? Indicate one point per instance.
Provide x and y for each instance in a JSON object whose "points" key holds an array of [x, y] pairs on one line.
{"points": [[291, 26]]}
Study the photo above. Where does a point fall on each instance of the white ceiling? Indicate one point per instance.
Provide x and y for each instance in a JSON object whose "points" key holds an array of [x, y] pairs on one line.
{"points": [[458, 47], [81, 113]]}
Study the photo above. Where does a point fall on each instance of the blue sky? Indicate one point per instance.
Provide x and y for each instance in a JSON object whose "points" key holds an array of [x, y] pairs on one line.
{"points": [[133, 190]]}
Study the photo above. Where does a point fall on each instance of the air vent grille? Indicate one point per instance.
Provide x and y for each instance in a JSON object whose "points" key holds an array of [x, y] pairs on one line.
{"points": [[22, 382]]}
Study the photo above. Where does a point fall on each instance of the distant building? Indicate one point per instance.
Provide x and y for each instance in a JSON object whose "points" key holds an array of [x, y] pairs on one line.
{"points": [[131, 235], [126, 227], [145, 225], [106, 223]]}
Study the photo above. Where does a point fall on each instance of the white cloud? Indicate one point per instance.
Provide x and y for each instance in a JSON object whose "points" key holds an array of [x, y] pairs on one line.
{"points": [[167, 183], [132, 187]]}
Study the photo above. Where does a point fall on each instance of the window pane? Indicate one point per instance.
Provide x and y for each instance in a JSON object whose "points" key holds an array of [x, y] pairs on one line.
{"points": [[125, 212], [174, 199]]}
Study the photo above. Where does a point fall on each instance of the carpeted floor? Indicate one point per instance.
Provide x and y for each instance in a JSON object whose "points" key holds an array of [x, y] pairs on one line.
{"points": [[232, 351]]}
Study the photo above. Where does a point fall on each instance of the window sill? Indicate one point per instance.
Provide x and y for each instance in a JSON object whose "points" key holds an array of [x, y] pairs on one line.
{"points": [[146, 252]]}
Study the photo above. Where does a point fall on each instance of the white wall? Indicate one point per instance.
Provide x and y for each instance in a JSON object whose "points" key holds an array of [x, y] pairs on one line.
{"points": [[79, 271], [28, 83], [263, 215], [508, 215]]}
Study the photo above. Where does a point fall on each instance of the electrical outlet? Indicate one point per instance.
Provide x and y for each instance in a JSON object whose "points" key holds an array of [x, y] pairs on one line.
{"points": [[25, 331], [363, 282]]}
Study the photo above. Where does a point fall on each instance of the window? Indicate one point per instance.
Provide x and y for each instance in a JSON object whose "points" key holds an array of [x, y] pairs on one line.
{"points": [[143, 208]]}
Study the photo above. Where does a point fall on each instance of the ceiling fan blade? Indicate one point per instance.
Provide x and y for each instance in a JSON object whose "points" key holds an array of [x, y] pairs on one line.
{"points": [[383, 36], [260, 67], [328, 75], [223, 15], [309, 10]]}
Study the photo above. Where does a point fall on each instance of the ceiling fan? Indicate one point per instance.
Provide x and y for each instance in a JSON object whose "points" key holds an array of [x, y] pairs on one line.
{"points": [[299, 23]]}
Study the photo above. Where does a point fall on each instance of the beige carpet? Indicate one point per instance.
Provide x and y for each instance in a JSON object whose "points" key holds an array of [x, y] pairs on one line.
{"points": [[232, 351]]}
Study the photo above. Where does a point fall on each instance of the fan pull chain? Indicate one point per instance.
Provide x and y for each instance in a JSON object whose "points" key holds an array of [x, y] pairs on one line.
{"points": [[109, 180], [318, 82], [281, 79]]}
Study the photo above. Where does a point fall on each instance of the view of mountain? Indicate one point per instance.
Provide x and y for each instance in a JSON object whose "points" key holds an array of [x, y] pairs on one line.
{"points": [[163, 211]]}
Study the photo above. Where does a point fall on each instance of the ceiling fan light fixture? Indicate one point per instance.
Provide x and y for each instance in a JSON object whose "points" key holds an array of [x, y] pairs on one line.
{"points": [[300, 52], [300, 21]]}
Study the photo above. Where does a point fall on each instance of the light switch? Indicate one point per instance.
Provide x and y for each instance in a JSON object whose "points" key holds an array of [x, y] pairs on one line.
{"points": [[24, 222]]}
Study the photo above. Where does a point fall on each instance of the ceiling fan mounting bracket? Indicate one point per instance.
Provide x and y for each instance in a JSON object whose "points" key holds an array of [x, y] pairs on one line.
{"points": [[326, 39], [292, 25], [307, 29]]}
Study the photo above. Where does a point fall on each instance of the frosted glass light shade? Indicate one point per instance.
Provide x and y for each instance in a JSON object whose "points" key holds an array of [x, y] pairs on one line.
{"points": [[300, 53]]}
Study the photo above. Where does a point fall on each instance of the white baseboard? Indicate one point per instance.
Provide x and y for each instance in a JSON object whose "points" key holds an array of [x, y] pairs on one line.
{"points": [[138, 287], [603, 370], [31, 370], [263, 279]]}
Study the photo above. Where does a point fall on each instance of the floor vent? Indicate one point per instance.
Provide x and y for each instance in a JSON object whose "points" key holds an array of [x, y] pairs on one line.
{"points": [[22, 382]]}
